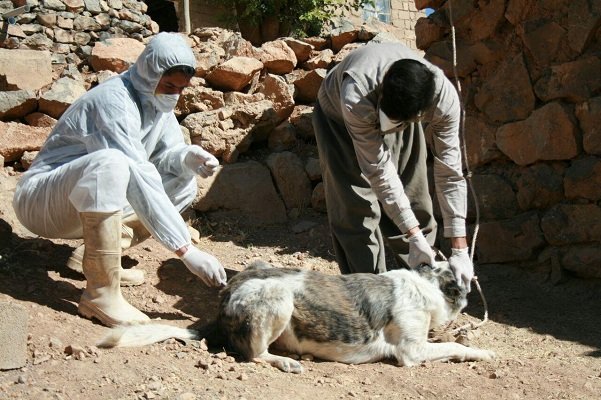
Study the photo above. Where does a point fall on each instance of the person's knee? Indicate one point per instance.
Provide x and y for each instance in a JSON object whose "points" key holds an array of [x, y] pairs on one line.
{"points": [[103, 184], [185, 195], [110, 158], [111, 167]]}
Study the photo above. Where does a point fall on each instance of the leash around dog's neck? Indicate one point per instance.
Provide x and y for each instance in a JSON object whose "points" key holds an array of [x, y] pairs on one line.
{"points": [[469, 179]]}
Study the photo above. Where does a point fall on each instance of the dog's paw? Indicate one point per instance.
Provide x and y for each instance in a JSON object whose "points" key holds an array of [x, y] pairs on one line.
{"points": [[483, 355], [488, 355], [288, 365]]}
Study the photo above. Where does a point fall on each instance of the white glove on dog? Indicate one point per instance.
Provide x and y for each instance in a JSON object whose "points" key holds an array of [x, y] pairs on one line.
{"points": [[420, 251], [462, 266], [205, 266], [201, 161]]}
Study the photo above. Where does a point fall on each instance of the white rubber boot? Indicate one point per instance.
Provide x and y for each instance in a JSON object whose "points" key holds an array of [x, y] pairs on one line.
{"points": [[133, 232], [102, 298]]}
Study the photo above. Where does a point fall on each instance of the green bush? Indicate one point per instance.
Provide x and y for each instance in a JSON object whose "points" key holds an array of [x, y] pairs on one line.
{"points": [[264, 20]]}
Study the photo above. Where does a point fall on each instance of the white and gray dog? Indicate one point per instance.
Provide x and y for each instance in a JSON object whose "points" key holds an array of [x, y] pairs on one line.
{"points": [[357, 318]]}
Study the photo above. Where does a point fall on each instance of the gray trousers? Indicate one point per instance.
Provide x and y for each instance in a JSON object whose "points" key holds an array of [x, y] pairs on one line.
{"points": [[358, 226]]}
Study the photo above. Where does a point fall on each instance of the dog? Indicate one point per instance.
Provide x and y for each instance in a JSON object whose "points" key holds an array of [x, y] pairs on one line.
{"points": [[357, 318]]}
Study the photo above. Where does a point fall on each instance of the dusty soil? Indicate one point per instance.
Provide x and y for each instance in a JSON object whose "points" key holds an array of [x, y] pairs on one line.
{"points": [[546, 335]]}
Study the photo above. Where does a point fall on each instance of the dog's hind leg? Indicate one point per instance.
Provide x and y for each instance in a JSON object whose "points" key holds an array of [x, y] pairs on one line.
{"points": [[255, 317]]}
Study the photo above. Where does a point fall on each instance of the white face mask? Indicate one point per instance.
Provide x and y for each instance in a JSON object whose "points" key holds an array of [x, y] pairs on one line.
{"points": [[389, 126], [165, 102]]}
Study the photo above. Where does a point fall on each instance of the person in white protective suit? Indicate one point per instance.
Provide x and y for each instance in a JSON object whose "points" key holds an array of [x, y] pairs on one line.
{"points": [[116, 169], [372, 148]]}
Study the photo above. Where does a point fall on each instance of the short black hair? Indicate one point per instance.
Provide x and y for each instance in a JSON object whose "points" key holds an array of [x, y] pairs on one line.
{"points": [[407, 89], [184, 69]]}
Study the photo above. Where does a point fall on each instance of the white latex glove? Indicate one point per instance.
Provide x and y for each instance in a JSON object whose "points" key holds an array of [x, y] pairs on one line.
{"points": [[201, 161], [462, 266], [205, 266], [420, 251]]}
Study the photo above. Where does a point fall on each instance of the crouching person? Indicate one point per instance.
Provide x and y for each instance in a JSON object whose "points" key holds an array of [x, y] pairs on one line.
{"points": [[115, 170]]}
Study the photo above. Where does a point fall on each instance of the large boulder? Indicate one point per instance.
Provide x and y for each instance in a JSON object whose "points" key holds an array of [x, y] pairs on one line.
{"points": [[25, 69], [548, 134], [243, 191]]}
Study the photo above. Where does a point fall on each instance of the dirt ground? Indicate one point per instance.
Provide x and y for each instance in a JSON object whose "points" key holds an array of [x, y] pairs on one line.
{"points": [[546, 336]]}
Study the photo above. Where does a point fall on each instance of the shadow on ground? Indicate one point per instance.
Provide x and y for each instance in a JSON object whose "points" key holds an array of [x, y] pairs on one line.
{"points": [[196, 299], [24, 273], [569, 311], [309, 233]]}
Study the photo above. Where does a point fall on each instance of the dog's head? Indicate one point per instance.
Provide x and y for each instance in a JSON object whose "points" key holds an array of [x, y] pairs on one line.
{"points": [[441, 275]]}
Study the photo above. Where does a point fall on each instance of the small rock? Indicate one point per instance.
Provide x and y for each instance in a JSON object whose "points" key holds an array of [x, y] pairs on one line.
{"points": [[494, 375], [92, 350], [203, 345], [222, 355], [303, 226], [307, 357], [463, 339], [447, 337], [41, 359], [203, 364], [74, 349], [472, 334], [22, 379], [242, 377], [155, 386], [55, 343]]}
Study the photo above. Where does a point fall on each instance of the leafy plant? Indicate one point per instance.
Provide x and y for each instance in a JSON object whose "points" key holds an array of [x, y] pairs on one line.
{"points": [[265, 20]]}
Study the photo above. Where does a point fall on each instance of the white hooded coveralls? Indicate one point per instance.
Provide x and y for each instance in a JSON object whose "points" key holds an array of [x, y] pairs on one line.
{"points": [[113, 150]]}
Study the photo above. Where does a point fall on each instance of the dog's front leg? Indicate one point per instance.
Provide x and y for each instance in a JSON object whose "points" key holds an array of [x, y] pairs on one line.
{"points": [[415, 353]]}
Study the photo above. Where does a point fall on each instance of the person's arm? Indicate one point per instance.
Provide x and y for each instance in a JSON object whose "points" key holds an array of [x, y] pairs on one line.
{"points": [[118, 126], [451, 187], [172, 155]]}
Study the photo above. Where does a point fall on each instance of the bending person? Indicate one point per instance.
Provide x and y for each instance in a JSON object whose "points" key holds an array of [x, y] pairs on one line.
{"points": [[372, 148], [114, 170]]}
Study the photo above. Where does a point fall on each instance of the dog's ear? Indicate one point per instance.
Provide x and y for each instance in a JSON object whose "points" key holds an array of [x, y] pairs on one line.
{"points": [[426, 271], [452, 290]]}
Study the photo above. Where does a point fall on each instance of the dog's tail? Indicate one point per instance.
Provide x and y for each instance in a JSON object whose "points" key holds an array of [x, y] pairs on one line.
{"points": [[145, 334]]}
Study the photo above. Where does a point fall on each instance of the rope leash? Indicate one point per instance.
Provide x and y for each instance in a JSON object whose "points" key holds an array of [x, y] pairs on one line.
{"points": [[470, 325]]}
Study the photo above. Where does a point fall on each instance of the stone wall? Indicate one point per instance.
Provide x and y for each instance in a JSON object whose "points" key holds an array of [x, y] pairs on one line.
{"points": [[69, 28], [404, 15], [204, 13], [249, 106], [530, 72]]}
